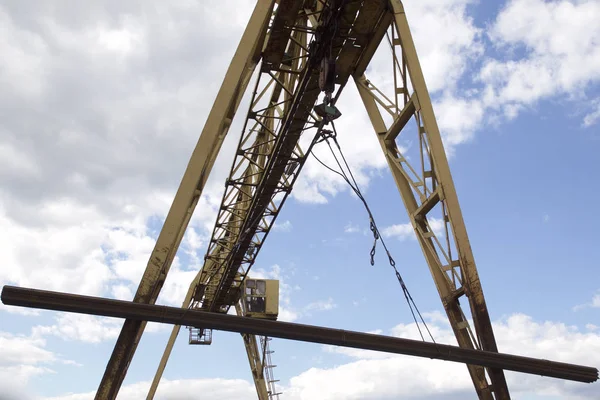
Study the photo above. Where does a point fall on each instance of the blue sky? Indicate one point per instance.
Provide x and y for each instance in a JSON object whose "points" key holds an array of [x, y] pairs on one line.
{"points": [[102, 104]]}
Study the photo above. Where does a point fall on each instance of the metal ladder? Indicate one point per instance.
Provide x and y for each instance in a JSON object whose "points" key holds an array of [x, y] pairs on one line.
{"points": [[268, 368]]}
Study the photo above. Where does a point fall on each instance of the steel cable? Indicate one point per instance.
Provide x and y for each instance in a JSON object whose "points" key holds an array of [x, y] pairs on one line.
{"points": [[351, 181]]}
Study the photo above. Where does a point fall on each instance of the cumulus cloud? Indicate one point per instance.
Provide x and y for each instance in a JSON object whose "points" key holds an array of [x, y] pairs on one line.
{"points": [[103, 106], [227, 389], [96, 140], [351, 228], [321, 305], [594, 303], [285, 226], [446, 38], [593, 116], [406, 230], [559, 40], [22, 349], [22, 358], [373, 375], [86, 328]]}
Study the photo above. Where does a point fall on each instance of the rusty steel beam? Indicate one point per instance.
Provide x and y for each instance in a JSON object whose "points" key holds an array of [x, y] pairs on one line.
{"points": [[47, 300]]}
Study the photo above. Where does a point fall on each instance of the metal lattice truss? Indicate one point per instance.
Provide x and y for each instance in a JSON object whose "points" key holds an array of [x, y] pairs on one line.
{"points": [[250, 206], [287, 40]]}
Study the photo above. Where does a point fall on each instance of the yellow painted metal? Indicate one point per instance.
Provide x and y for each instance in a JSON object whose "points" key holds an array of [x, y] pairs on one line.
{"points": [[269, 298], [189, 191]]}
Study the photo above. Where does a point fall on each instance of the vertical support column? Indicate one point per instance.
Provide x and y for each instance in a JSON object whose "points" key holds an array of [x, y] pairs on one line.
{"points": [[190, 189]]}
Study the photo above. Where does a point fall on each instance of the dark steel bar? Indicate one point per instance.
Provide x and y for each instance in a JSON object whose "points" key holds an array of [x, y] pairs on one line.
{"points": [[171, 315]]}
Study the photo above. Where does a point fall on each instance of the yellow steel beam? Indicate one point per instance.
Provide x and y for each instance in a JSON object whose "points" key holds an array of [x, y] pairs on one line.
{"points": [[400, 122], [190, 189]]}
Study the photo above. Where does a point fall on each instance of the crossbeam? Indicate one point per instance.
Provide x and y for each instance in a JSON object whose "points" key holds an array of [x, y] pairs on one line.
{"points": [[48, 300]]}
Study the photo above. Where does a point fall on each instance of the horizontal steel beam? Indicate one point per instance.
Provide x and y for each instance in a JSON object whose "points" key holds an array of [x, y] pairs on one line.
{"points": [[171, 315], [402, 119]]}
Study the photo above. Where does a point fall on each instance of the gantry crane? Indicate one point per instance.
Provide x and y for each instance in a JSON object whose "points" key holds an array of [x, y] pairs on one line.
{"points": [[304, 48], [301, 49]]}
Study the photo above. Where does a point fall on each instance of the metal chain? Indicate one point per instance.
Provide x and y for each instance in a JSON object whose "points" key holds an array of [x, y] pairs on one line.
{"points": [[372, 225]]}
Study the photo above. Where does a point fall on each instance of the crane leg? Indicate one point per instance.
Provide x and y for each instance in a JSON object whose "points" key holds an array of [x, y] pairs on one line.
{"points": [[431, 186]]}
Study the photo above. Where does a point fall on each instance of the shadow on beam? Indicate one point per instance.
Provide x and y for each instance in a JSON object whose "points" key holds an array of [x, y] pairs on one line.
{"points": [[177, 316]]}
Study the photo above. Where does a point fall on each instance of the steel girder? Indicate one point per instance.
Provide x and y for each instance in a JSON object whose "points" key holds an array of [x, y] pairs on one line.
{"points": [[49, 300]]}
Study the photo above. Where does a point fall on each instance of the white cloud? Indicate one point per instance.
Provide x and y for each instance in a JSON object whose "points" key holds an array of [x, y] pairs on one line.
{"points": [[548, 50], [21, 359], [87, 328], [406, 230], [562, 52], [83, 171], [80, 327], [226, 389], [356, 303], [321, 305], [351, 228], [23, 350], [446, 38], [285, 226], [401, 231], [372, 375], [594, 303], [458, 118], [82, 178], [593, 116], [122, 292]]}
